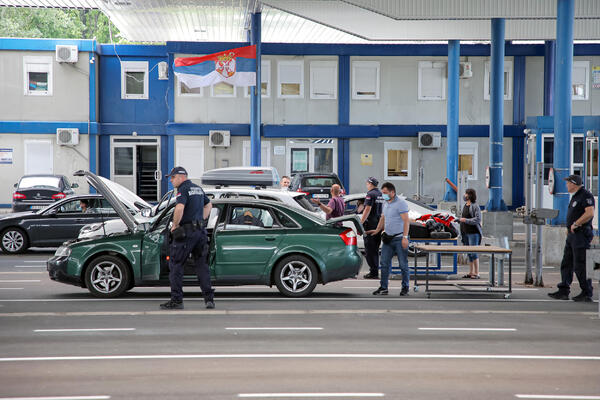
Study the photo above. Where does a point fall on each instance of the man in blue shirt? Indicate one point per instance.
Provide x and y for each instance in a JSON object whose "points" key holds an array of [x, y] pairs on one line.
{"points": [[395, 225], [188, 236]]}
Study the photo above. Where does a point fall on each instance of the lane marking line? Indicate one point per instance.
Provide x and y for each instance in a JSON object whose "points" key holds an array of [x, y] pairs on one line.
{"points": [[273, 329], [284, 395], [471, 329], [21, 273], [58, 398], [85, 330], [554, 396], [11, 288], [19, 280], [306, 356], [30, 266]]}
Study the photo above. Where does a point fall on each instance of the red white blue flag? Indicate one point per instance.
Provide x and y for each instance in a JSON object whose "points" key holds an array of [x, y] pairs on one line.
{"points": [[236, 67]]}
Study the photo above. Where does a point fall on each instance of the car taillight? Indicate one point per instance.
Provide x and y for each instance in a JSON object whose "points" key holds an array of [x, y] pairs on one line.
{"points": [[58, 196], [18, 196], [302, 191], [349, 237]]}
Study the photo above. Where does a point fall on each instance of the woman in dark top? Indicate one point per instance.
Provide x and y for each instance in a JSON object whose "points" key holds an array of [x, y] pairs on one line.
{"points": [[470, 229]]}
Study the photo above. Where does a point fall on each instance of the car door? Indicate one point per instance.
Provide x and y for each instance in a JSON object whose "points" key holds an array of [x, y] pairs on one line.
{"points": [[245, 243], [154, 248]]}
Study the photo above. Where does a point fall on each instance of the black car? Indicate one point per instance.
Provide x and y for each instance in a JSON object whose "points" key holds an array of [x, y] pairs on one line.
{"points": [[34, 192], [53, 225], [316, 185]]}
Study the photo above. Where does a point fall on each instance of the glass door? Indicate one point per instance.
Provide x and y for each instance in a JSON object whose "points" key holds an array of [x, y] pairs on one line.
{"points": [[311, 155]]}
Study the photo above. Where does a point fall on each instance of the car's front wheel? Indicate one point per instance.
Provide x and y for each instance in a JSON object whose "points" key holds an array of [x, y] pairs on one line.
{"points": [[296, 276], [14, 241], [107, 276]]}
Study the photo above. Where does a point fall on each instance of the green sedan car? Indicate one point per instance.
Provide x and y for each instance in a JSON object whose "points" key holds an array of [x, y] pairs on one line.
{"points": [[250, 242]]}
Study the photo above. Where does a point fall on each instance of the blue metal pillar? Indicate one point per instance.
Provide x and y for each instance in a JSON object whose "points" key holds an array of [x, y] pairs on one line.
{"points": [[496, 203], [452, 118], [562, 106], [549, 62], [255, 96]]}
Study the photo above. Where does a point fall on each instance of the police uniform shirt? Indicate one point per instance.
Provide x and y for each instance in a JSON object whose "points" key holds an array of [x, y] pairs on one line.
{"points": [[194, 199], [375, 200], [579, 202]]}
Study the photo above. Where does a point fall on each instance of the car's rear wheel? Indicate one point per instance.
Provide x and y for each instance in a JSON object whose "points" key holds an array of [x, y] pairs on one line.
{"points": [[14, 241], [107, 276], [296, 276]]}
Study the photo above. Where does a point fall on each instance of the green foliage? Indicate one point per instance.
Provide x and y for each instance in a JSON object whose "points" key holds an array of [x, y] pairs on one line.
{"points": [[56, 23]]}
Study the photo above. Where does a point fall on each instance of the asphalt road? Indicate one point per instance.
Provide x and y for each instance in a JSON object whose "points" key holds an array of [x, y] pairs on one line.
{"points": [[58, 342]]}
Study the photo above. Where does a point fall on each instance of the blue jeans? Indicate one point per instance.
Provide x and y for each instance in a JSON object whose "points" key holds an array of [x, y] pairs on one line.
{"points": [[472, 239], [387, 253]]}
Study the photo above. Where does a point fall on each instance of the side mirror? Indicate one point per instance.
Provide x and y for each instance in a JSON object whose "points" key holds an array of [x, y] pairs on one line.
{"points": [[146, 212], [74, 185], [52, 212], [15, 185]]}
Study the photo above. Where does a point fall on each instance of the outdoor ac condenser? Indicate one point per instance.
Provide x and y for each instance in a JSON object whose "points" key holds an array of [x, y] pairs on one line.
{"points": [[219, 138], [430, 140], [66, 54], [67, 136]]}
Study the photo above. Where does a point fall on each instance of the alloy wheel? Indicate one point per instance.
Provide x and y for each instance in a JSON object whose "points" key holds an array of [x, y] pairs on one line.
{"points": [[106, 277], [296, 276], [13, 241]]}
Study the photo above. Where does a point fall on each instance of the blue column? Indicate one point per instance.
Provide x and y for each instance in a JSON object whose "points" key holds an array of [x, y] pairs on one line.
{"points": [[93, 59], [549, 61], [255, 96], [496, 203], [452, 118], [562, 106]]}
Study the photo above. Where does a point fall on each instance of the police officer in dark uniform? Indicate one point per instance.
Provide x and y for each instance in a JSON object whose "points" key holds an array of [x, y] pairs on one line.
{"points": [[579, 237], [370, 219], [188, 235]]}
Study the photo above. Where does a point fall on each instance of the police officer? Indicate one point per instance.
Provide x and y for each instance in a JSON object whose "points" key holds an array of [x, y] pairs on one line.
{"points": [[370, 220], [579, 237], [188, 236]]}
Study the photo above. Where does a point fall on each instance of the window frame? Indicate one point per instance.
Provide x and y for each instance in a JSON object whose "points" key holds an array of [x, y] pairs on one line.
{"points": [[265, 72], [586, 66], [134, 66], [323, 65], [282, 63], [223, 96], [397, 146], [508, 69], [179, 93], [470, 148], [432, 65], [373, 64], [39, 64]]}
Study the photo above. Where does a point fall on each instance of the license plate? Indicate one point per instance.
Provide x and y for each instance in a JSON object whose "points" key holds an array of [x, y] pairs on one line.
{"points": [[37, 207], [321, 196]]}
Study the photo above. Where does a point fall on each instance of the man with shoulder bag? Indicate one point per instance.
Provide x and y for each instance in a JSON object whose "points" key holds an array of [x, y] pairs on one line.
{"points": [[395, 224]]}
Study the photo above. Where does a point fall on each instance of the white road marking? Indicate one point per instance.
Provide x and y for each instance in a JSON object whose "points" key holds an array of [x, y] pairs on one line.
{"points": [[286, 395], [30, 266], [306, 356], [19, 280], [58, 398], [22, 273], [470, 329], [85, 330], [524, 289], [554, 396], [273, 329], [11, 288]]}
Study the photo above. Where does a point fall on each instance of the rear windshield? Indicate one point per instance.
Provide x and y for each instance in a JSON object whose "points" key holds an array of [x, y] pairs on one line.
{"points": [[303, 202], [320, 181], [39, 182]]}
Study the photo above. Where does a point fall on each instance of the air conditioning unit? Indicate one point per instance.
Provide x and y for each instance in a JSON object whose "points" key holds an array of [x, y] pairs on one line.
{"points": [[465, 70], [66, 54], [430, 140], [67, 136], [219, 138]]}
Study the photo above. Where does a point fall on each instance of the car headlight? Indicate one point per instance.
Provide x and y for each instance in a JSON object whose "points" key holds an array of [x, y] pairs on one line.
{"points": [[91, 227], [63, 251]]}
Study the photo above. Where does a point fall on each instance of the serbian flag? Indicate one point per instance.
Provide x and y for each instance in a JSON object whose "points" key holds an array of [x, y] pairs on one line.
{"points": [[236, 67]]}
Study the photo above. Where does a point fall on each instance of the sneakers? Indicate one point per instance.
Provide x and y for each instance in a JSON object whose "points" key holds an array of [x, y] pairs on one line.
{"points": [[559, 295], [381, 292], [404, 291], [370, 276], [210, 304], [172, 305], [583, 298]]}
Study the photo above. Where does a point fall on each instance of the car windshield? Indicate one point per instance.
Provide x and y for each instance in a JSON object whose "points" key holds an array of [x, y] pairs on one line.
{"points": [[303, 202], [31, 182], [320, 181]]}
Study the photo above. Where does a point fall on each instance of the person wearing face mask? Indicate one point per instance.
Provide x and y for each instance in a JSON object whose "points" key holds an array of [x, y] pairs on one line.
{"points": [[470, 229]]}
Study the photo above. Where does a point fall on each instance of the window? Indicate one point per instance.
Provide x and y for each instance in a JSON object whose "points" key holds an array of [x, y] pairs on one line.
{"points": [[222, 89], [183, 90], [432, 80], [284, 220], [250, 218], [37, 76], [191, 154], [39, 157], [323, 80], [134, 79], [365, 80], [508, 80], [581, 71], [290, 79], [265, 80], [397, 160], [467, 158], [265, 153]]}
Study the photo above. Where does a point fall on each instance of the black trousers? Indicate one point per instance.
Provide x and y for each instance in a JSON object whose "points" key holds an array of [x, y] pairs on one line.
{"points": [[372, 244], [574, 261], [195, 243]]}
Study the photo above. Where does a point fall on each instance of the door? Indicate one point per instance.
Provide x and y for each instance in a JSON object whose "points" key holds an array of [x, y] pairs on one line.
{"points": [[577, 160], [245, 244], [135, 164], [311, 155]]}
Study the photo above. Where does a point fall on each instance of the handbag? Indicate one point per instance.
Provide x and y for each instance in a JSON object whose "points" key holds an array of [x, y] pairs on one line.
{"points": [[387, 239]]}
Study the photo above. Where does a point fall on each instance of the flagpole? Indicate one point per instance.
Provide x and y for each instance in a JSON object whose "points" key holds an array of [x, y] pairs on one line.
{"points": [[255, 95]]}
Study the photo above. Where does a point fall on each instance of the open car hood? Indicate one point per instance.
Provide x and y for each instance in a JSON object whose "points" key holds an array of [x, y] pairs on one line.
{"points": [[352, 218], [116, 195]]}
